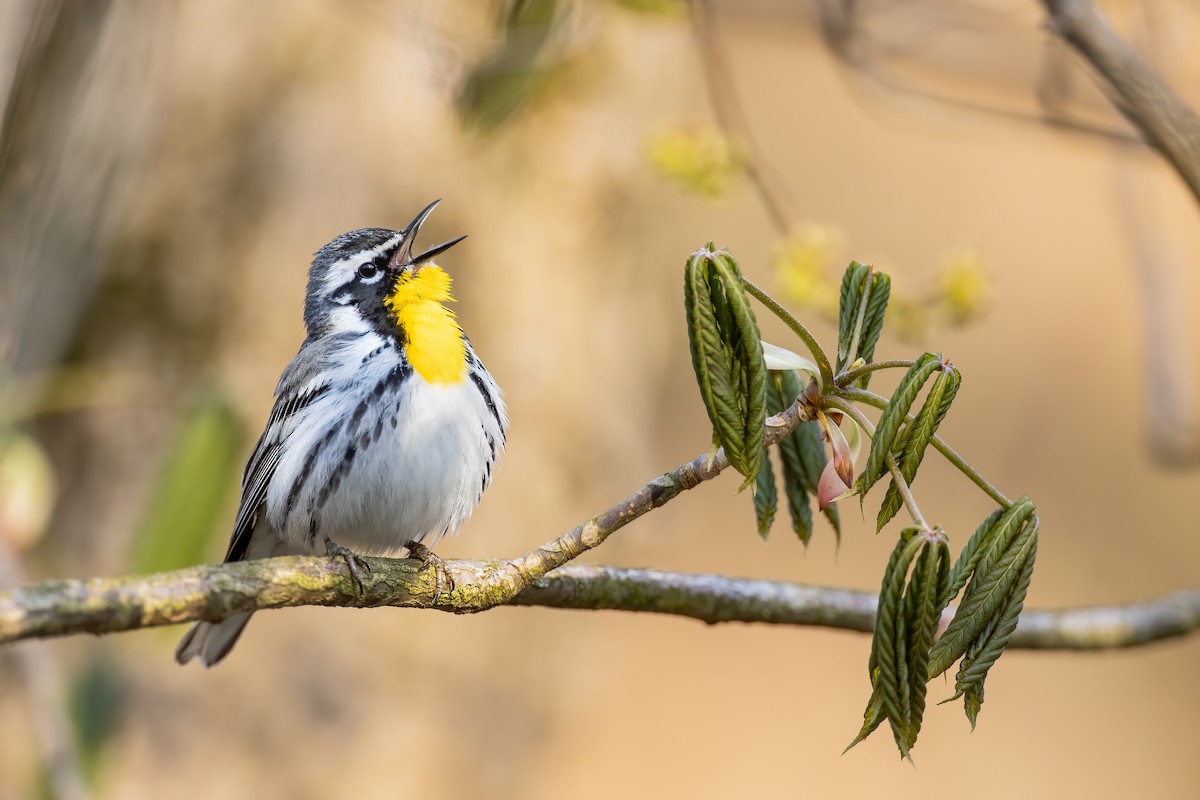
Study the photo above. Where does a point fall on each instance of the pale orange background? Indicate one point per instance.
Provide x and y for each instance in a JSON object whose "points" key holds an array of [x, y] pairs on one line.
{"points": [[569, 286]]}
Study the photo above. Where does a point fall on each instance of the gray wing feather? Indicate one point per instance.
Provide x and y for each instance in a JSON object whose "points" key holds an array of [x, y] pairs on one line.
{"points": [[261, 467]]}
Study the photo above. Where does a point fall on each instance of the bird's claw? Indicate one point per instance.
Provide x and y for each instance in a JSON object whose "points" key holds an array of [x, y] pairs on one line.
{"points": [[359, 568], [426, 556]]}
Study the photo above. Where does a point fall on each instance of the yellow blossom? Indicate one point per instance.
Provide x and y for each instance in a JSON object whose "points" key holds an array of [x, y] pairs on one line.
{"points": [[964, 287], [802, 264], [699, 160]]}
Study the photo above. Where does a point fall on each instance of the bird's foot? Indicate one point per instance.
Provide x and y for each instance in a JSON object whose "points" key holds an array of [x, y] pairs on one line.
{"points": [[359, 568], [426, 556]]}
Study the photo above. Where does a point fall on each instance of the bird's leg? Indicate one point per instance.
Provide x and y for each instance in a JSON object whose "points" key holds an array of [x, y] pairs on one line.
{"points": [[358, 565], [426, 556]]}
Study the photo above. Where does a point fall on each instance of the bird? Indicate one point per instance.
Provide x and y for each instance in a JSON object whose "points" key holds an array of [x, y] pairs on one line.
{"points": [[386, 427]]}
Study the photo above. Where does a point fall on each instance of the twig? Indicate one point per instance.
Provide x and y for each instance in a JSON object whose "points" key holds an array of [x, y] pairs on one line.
{"points": [[731, 116], [789, 319], [939, 444]]}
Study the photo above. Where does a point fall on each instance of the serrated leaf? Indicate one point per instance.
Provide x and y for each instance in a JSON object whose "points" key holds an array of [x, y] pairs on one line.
{"points": [[1008, 527], [873, 716], [993, 643], [889, 643], [923, 613], [854, 283], [920, 433], [990, 586], [893, 417], [970, 555], [972, 703], [766, 498], [881, 290], [727, 357], [782, 390]]}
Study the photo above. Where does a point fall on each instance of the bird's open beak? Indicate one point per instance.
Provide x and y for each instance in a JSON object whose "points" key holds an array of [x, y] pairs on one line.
{"points": [[403, 257]]}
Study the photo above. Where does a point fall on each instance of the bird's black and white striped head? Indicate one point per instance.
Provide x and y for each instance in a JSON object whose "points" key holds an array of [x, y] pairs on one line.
{"points": [[352, 276]]}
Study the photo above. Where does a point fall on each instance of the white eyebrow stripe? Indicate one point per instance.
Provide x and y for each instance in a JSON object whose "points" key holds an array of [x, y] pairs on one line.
{"points": [[340, 272]]}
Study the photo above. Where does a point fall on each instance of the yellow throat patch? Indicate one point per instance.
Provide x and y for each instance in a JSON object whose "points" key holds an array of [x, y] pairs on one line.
{"points": [[433, 338]]}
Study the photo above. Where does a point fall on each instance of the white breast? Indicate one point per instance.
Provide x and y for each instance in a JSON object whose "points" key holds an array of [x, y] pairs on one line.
{"points": [[417, 480]]}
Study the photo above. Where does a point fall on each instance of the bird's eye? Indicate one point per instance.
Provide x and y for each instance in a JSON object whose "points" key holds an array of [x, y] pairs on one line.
{"points": [[368, 271]]}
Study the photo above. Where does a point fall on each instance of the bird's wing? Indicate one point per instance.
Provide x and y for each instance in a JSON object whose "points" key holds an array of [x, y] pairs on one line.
{"points": [[261, 467]]}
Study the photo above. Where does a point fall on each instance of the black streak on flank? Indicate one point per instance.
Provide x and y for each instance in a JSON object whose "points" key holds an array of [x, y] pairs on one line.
{"points": [[309, 463], [487, 398]]}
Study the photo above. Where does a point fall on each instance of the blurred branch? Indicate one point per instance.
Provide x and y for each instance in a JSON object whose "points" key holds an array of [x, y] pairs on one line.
{"points": [[1137, 91], [1172, 128], [723, 95]]}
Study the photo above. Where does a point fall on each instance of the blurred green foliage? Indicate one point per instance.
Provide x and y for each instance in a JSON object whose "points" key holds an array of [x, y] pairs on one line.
{"points": [[190, 500]]}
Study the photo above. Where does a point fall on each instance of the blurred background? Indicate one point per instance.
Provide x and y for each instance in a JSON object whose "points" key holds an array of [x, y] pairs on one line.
{"points": [[167, 170]]}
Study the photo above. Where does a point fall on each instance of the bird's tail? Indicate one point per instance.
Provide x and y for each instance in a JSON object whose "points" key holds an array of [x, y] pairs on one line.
{"points": [[211, 641]]}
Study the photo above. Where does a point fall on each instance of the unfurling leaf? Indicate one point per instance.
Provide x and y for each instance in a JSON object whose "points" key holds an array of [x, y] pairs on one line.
{"points": [[905, 622], [782, 390], [863, 303], [854, 282], [893, 417], [877, 303], [727, 356], [779, 359], [919, 433], [766, 499], [991, 645], [843, 460], [999, 562], [991, 582], [830, 488]]}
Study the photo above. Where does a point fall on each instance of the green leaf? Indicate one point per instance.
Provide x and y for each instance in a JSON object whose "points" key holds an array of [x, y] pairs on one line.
{"points": [[189, 502], [990, 586], [877, 302], [855, 282], [889, 644], [782, 390], [972, 702], [992, 645], [968, 559], [893, 417], [920, 432], [766, 499], [873, 716], [923, 614], [727, 356]]}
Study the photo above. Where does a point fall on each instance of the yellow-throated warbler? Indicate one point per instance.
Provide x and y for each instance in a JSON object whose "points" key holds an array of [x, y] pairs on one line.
{"points": [[386, 425]]}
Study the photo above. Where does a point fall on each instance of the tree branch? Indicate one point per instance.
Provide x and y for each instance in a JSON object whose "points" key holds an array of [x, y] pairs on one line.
{"points": [[1138, 91], [108, 605], [213, 592]]}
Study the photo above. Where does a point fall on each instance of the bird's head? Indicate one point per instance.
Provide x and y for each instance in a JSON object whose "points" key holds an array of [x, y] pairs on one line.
{"points": [[365, 278]]}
